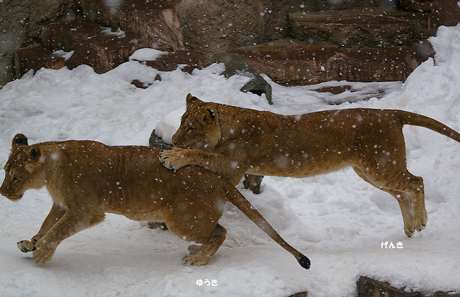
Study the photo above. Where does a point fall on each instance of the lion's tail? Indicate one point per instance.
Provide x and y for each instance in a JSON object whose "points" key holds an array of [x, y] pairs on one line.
{"points": [[409, 118], [237, 199]]}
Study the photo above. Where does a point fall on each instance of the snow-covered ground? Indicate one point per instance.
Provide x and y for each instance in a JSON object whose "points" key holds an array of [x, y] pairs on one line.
{"points": [[341, 223]]}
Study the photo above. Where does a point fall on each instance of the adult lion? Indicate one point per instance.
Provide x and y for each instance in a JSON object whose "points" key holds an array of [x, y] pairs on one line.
{"points": [[232, 141], [87, 179]]}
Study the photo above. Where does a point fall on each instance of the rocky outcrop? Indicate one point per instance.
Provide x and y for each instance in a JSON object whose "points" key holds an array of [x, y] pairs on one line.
{"points": [[235, 64], [208, 27], [445, 13], [214, 26], [91, 44], [416, 5], [156, 25], [188, 60], [20, 25], [368, 287], [102, 48], [352, 45], [35, 57], [291, 62], [374, 28]]}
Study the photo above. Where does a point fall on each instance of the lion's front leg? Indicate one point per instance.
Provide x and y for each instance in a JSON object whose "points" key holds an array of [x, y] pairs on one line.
{"points": [[74, 220], [53, 217], [178, 157]]}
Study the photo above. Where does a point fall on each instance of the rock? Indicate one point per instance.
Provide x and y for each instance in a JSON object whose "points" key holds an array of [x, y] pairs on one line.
{"points": [[141, 85], [359, 28], [416, 5], [334, 90], [352, 45], [170, 61], [157, 25], [103, 12], [445, 13], [214, 26], [291, 62], [157, 142], [103, 50], [444, 294], [368, 287], [20, 26], [419, 53], [144, 25], [300, 294], [65, 34], [35, 57], [234, 64], [185, 59], [369, 64], [92, 44], [103, 54]]}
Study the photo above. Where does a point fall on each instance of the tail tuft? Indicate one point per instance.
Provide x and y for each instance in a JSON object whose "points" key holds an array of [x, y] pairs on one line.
{"points": [[304, 262]]}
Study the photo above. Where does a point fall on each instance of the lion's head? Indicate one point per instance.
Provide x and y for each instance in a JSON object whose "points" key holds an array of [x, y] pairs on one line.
{"points": [[22, 171], [199, 126]]}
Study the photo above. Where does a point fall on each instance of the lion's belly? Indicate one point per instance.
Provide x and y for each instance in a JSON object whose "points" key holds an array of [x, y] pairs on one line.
{"points": [[297, 167], [145, 217], [135, 212]]}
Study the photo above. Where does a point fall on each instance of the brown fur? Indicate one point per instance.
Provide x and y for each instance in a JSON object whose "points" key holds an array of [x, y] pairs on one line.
{"points": [[87, 179], [232, 141]]}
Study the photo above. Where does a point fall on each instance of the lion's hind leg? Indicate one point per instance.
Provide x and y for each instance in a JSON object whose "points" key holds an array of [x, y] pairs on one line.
{"points": [[408, 191], [417, 189], [200, 255]]}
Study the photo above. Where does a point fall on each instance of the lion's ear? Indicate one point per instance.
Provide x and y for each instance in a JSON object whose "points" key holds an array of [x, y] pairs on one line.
{"points": [[190, 97], [212, 114], [19, 139], [192, 101], [35, 161], [35, 153]]}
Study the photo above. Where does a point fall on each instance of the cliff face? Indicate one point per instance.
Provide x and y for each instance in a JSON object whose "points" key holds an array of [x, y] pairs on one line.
{"points": [[207, 27]]}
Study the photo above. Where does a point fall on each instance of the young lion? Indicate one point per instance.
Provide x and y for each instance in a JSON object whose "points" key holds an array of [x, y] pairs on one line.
{"points": [[87, 179], [232, 141]]}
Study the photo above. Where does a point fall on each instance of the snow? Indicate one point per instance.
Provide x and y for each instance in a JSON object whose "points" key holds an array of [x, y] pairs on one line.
{"points": [[146, 54], [63, 54], [341, 223]]}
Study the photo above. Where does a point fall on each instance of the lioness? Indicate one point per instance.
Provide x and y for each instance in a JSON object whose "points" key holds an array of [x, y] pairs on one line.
{"points": [[87, 179], [232, 141]]}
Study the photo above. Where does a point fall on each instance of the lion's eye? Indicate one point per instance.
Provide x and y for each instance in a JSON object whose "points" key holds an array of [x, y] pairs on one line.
{"points": [[15, 178]]}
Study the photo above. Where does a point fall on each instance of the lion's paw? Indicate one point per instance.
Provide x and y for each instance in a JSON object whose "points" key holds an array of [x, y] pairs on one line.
{"points": [[173, 159], [26, 246], [421, 220], [195, 260]]}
